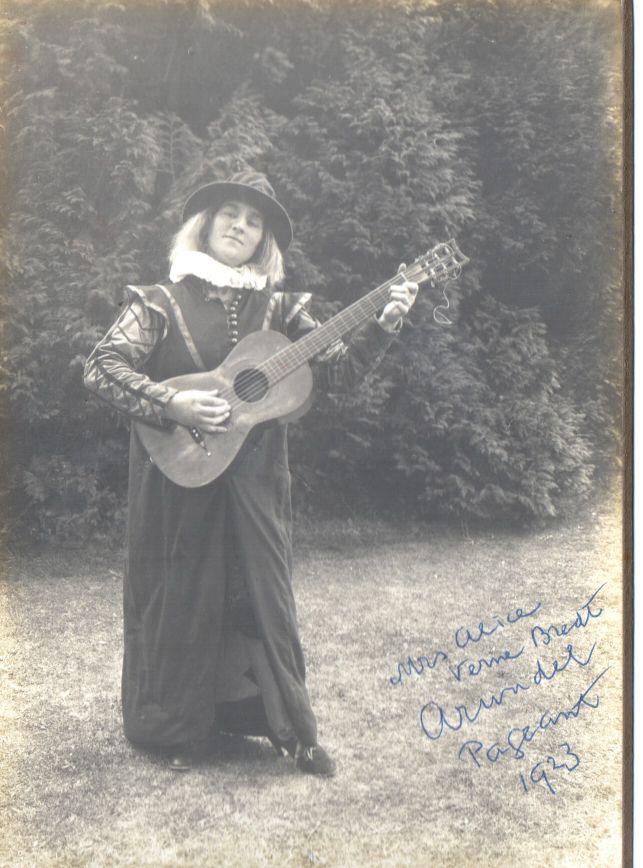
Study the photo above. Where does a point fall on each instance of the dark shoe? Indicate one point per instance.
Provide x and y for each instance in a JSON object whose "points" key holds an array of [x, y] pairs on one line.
{"points": [[314, 761]]}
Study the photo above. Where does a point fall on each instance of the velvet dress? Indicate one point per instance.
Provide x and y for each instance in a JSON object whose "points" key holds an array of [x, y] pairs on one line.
{"points": [[210, 625]]}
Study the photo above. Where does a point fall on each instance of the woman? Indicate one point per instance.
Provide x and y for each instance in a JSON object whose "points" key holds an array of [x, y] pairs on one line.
{"points": [[210, 631]]}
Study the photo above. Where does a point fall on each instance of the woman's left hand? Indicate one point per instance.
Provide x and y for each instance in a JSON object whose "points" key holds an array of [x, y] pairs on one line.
{"points": [[401, 298]]}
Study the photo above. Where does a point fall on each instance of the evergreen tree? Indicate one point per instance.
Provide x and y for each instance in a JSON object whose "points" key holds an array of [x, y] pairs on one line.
{"points": [[385, 128]]}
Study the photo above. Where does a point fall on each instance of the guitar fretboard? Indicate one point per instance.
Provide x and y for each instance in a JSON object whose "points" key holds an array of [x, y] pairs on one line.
{"points": [[316, 341], [442, 263]]}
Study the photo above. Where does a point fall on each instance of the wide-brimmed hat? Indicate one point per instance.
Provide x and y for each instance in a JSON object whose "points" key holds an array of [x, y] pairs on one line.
{"points": [[251, 187]]}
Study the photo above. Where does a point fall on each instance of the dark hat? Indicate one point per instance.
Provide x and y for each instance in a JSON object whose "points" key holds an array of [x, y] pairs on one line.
{"points": [[251, 187]]}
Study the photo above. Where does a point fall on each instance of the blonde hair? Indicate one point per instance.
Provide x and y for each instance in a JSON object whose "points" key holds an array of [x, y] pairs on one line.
{"points": [[267, 260]]}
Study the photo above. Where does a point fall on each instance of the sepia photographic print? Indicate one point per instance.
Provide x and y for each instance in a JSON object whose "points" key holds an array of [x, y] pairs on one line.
{"points": [[315, 421]]}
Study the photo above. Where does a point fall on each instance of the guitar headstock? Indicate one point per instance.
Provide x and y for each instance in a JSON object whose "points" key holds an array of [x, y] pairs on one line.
{"points": [[443, 262]]}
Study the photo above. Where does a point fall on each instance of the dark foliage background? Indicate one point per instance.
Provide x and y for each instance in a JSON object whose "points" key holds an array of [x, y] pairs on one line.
{"points": [[385, 127]]}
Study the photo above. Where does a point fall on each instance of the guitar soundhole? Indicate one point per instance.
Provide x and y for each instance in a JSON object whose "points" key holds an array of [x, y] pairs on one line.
{"points": [[251, 385]]}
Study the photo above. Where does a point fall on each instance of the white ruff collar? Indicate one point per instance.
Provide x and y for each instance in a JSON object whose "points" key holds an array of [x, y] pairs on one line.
{"points": [[215, 272]]}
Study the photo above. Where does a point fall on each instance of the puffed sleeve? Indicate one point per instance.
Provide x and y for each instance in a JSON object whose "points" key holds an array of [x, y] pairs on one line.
{"points": [[346, 363], [113, 370]]}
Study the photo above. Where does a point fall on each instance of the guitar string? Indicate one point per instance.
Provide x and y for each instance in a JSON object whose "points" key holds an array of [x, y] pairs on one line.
{"points": [[439, 317], [439, 271], [272, 371]]}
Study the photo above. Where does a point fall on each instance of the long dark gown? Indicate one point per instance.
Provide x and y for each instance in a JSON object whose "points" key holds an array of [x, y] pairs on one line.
{"points": [[194, 553]]}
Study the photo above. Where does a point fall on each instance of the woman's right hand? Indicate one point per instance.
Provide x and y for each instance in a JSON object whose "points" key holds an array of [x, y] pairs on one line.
{"points": [[203, 410]]}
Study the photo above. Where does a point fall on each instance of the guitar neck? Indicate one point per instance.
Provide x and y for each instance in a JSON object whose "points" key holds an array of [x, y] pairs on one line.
{"points": [[440, 264], [345, 321], [319, 339]]}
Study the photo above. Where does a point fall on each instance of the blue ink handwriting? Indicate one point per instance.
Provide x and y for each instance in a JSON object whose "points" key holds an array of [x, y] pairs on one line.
{"points": [[419, 665], [463, 635], [462, 714], [538, 772], [475, 667], [540, 673], [517, 737], [583, 616], [434, 729], [527, 734]]}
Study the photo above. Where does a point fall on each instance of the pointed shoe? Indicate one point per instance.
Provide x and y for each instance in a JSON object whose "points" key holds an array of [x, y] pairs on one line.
{"points": [[314, 761]]}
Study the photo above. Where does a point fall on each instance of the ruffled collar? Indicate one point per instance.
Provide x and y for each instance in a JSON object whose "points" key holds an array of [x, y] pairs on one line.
{"points": [[193, 262]]}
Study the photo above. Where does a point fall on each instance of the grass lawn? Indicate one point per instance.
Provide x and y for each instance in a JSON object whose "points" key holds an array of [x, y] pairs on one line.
{"points": [[369, 597]]}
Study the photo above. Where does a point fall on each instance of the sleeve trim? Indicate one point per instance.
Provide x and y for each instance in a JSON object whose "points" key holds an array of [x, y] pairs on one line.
{"points": [[138, 292], [302, 300], [270, 309]]}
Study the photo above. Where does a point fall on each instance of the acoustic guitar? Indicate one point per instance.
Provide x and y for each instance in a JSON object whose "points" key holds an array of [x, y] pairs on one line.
{"points": [[267, 377]]}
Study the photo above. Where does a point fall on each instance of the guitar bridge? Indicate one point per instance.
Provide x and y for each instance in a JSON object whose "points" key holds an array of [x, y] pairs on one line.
{"points": [[199, 439]]}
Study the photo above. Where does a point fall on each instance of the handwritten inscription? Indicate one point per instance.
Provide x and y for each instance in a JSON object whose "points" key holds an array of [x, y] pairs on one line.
{"points": [[463, 635], [475, 667], [420, 665], [438, 717], [434, 720], [517, 737], [539, 773], [543, 636]]}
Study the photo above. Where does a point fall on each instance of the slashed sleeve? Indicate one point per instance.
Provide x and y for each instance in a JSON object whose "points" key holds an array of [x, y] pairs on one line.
{"points": [[346, 363], [113, 370]]}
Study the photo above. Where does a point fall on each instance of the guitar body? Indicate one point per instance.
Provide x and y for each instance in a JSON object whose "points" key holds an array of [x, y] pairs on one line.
{"points": [[192, 462]]}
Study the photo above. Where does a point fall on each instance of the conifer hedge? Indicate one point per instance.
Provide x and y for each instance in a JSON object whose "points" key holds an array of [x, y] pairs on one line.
{"points": [[385, 127]]}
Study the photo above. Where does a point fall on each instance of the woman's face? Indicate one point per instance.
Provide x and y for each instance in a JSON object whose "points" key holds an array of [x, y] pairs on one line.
{"points": [[237, 230]]}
